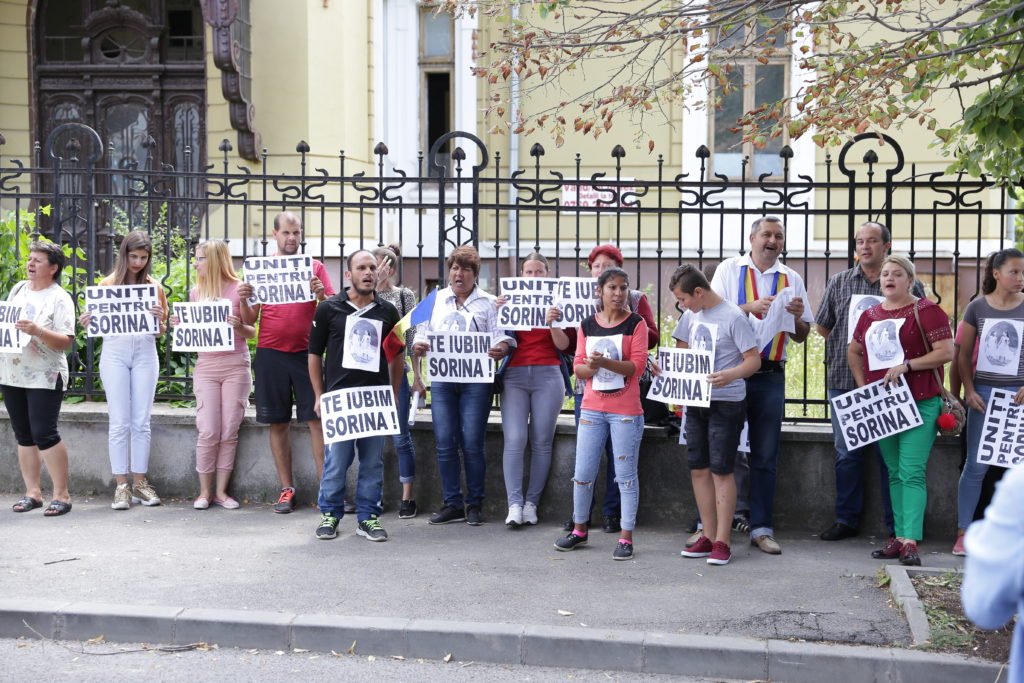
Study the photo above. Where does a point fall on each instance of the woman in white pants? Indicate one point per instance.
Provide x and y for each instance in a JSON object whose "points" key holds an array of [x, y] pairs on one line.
{"points": [[129, 368]]}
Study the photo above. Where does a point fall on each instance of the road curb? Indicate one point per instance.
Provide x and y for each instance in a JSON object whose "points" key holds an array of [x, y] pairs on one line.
{"points": [[905, 595], [616, 650]]}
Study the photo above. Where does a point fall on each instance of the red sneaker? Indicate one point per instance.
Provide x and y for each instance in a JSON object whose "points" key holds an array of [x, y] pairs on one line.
{"points": [[286, 501], [720, 553], [701, 548]]}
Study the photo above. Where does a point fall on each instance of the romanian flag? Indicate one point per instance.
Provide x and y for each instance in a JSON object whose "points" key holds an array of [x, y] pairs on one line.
{"points": [[394, 343], [748, 292]]}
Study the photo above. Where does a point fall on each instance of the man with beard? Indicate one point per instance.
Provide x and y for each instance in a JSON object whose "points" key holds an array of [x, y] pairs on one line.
{"points": [[752, 281], [282, 377], [328, 334]]}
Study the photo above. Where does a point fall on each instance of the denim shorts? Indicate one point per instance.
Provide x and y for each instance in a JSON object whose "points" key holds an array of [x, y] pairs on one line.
{"points": [[713, 434]]}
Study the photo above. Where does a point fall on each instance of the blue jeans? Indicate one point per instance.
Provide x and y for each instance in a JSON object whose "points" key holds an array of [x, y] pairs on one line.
{"points": [[612, 501], [973, 475], [369, 485], [850, 477], [460, 420], [403, 440], [766, 399], [593, 432]]}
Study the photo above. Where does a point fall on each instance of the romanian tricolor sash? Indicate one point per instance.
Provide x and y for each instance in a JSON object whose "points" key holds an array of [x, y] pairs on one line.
{"points": [[748, 292]]}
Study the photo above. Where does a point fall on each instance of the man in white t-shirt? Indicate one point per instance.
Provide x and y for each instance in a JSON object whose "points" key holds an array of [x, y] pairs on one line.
{"points": [[753, 281]]}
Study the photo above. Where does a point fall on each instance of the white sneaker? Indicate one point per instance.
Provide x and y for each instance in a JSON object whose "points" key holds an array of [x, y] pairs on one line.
{"points": [[530, 514], [122, 498], [515, 516]]}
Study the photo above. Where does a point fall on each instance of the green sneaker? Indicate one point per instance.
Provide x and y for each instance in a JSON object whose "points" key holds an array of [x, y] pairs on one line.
{"points": [[372, 530], [328, 528]]}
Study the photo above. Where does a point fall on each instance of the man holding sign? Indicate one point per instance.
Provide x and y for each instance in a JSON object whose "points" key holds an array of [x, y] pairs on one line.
{"points": [[349, 327], [282, 378]]}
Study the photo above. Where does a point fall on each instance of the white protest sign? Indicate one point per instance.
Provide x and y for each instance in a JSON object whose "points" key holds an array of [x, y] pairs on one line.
{"points": [[279, 279], [1000, 346], [459, 357], [858, 304], [362, 344], [776, 320], [684, 377], [529, 299], [455, 321], [203, 326], [1002, 433], [882, 344], [610, 347], [744, 446], [120, 310], [359, 412], [872, 412], [11, 338], [576, 300]]}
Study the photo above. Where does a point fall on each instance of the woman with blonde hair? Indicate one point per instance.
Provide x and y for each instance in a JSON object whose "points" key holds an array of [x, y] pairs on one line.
{"points": [[221, 380]]}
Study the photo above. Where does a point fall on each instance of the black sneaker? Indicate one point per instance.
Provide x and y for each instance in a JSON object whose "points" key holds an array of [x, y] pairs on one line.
{"points": [[623, 551], [837, 532], [473, 516], [328, 528], [449, 514], [372, 530], [286, 501], [740, 524], [407, 509], [569, 542], [611, 524]]}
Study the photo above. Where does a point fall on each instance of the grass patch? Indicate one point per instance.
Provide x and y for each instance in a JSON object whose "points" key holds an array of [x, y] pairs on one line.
{"points": [[951, 631]]}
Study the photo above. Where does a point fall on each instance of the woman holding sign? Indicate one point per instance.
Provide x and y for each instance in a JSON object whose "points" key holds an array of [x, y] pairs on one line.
{"points": [[906, 453], [129, 368], [221, 380], [33, 382], [611, 407], [996, 319]]}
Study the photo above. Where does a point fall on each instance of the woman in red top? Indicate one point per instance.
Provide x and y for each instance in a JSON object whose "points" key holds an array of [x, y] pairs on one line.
{"points": [[906, 454], [530, 403]]}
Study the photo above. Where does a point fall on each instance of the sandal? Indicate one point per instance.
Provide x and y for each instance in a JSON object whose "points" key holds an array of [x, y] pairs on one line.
{"points": [[27, 503], [57, 508]]}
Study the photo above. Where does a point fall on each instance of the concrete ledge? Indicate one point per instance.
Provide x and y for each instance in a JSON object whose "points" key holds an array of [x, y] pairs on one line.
{"points": [[905, 595], [615, 650]]}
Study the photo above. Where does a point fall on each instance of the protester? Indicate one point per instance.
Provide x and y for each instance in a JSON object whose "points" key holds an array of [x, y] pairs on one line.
{"points": [[330, 325], [713, 433], [872, 242], [129, 368], [993, 585], [389, 267], [221, 380], [753, 281], [611, 353], [530, 403], [460, 409], [33, 382], [1002, 301], [906, 454], [282, 376]]}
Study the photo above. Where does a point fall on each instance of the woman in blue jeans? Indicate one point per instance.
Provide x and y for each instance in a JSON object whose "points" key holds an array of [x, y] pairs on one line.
{"points": [[460, 409], [990, 319], [611, 353]]}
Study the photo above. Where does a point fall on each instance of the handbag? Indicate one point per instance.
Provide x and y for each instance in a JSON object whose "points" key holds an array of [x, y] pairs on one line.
{"points": [[499, 375], [950, 404]]}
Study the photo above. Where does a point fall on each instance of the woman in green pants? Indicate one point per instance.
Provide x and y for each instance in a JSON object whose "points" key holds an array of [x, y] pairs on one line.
{"points": [[906, 454]]}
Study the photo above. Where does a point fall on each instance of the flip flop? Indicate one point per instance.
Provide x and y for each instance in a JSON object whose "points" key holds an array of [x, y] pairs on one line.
{"points": [[27, 503], [57, 508]]}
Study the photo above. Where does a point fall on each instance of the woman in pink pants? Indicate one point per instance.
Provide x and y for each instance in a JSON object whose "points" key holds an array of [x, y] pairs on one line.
{"points": [[221, 380]]}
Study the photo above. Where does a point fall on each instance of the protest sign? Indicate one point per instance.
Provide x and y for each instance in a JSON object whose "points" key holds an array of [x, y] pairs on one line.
{"points": [[459, 357], [872, 412], [776, 320], [610, 347], [120, 310], [1002, 432], [203, 327], [882, 344], [358, 412], [12, 340], [529, 299], [684, 377], [362, 344], [279, 279], [576, 300], [1000, 346], [858, 304]]}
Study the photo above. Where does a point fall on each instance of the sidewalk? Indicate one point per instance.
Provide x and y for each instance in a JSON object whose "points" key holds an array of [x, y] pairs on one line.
{"points": [[253, 560]]}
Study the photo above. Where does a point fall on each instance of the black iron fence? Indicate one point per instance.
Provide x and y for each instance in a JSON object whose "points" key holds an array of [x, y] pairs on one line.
{"points": [[68, 192]]}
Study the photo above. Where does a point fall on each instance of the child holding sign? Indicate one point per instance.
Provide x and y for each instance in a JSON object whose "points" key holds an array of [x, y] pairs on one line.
{"points": [[713, 433], [129, 368], [993, 318], [614, 410]]}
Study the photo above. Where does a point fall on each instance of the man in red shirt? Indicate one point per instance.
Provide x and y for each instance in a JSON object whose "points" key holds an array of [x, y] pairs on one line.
{"points": [[282, 374]]}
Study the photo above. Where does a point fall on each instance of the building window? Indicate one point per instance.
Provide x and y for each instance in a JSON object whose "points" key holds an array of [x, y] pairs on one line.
{"points": [[437, 67], [749, 83]]}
